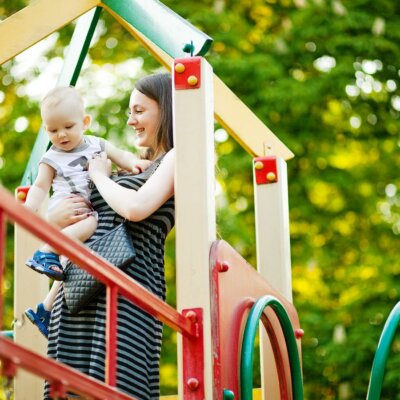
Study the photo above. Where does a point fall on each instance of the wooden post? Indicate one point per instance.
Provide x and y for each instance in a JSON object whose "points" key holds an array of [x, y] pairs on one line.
{"points": [[273, 248], [30, 288], [194, 196]]}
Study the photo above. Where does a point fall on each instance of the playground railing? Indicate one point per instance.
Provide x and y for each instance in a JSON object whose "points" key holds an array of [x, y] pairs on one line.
{"points": [[188, 323], [382, 354], [246, 368]]}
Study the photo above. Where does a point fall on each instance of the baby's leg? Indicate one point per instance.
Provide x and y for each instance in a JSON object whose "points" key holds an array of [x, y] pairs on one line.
{"points": [[81, 230], [51, 296]]}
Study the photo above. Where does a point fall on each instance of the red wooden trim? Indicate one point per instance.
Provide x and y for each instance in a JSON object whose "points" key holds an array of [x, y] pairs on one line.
{"points": [[187, 73], [21, 193], [111, 335], [266, 170], [215, 324], [2, 258], [65, 378], [193, 358], [99, 268]]}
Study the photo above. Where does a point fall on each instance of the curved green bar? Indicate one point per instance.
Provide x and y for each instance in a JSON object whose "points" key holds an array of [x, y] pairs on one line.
{"points": [[246, 364], [382, 352], [162, 26]]}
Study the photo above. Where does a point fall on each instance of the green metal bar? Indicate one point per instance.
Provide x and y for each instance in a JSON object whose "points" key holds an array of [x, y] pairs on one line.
{"points": [[228, 395], [78, 49], [382, 353], [246, 364], [162, 26]]}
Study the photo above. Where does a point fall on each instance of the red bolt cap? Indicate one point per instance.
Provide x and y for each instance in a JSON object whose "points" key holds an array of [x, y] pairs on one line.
{"points": [[193, 384], [224, 266], [299, 333], [192, 316]]}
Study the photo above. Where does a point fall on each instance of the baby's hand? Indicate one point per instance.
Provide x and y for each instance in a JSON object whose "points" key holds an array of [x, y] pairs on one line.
{"points": [[141, 166]]}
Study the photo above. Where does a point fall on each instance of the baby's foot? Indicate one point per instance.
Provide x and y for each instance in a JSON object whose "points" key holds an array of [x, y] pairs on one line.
{"points": [[47, 264]]}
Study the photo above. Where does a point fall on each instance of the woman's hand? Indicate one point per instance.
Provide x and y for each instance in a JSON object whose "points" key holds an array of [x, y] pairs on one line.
{"points": [[69, 211], [99, 165]]}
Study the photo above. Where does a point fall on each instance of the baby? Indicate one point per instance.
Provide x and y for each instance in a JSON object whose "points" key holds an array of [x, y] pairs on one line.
{"points": [[63, 168]]}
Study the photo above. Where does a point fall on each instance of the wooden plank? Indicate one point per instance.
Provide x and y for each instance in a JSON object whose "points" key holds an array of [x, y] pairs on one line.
{"points": [[256, 396], [195, 231], [30, 288], [271, 207], [36, 21], [233, 115]]}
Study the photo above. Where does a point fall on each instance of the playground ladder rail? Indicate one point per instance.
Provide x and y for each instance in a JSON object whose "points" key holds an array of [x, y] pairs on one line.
{"points": [[188, 323]]}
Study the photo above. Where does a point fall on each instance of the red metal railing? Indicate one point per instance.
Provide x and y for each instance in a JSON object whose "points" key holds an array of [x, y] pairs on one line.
{"points": [[189, 323]]}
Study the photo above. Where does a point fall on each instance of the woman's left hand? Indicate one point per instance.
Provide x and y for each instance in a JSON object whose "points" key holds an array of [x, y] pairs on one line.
{"points": [[99, 165]]}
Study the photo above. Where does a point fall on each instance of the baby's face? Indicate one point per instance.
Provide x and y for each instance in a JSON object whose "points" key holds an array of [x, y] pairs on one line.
{"points": [[65, 124]]}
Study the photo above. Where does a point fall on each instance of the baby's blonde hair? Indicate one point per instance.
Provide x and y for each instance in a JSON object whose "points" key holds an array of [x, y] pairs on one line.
{"points": [[61, 93]]}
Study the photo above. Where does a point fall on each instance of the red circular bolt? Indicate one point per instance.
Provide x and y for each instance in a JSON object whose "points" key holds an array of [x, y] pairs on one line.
{"points": [[192, 316], [193, 384], [299, 333], [223, 267]]}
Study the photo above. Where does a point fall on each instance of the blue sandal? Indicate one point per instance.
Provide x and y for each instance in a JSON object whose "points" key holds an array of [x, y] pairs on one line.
{"points": [[45, 263], [40, 318]]}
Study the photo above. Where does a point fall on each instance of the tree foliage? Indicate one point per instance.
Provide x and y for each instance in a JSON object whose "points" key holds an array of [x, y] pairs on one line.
{"points": [[324, 77]]}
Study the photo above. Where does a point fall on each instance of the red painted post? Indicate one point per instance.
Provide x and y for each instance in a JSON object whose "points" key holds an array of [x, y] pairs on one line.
{"points": [[2, 258], [111, 335], [193, 358]]}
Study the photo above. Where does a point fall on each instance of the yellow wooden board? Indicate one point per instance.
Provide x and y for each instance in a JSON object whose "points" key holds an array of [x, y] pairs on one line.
{"points": [[36, 21], [256, 396], [236, 118]]}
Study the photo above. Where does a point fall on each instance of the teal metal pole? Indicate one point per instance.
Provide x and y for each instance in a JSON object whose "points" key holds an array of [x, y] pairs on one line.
{"points": [[246, 363], [78, 49], [382, 353], [9, 334], [162, 26]]}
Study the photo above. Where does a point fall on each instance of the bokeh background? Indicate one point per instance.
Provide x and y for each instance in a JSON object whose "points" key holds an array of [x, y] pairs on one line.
{"points": [[323, 75]]}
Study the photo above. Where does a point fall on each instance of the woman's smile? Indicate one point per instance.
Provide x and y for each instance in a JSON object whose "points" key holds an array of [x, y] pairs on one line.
{"points": [[143, 118]]}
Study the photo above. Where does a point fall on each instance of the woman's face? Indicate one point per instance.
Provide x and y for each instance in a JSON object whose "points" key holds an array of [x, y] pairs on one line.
{"points": [[144, 118]]}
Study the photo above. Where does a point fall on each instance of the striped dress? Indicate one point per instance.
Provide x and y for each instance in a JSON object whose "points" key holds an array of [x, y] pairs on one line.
{"points": [[79, 340]]}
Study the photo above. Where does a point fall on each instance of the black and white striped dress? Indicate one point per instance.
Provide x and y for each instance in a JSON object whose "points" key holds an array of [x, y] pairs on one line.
{"points": [[79, 340]]}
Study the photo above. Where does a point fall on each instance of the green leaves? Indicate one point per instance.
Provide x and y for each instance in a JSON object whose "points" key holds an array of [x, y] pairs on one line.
{"points": [[324, 77]]}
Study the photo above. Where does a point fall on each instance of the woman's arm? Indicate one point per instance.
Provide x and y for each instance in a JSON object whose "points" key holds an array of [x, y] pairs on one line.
{"points": [[130, 204]]}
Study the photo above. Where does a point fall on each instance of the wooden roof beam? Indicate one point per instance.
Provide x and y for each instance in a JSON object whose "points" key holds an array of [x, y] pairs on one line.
{"points": [[36, 21]]}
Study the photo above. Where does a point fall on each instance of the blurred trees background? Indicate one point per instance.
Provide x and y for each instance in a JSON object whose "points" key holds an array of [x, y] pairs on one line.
{"points": [[324, 77]]}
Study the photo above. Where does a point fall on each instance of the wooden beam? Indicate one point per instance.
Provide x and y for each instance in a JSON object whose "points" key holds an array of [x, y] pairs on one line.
{"points": [[256, 396], [195, 231], [36, 21], [233, 115]]}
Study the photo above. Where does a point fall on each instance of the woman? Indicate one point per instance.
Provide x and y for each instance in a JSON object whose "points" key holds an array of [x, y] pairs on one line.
{"points": [[147, 201]]}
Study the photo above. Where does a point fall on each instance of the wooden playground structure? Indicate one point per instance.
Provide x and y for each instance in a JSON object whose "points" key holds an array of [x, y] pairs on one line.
{"points": [[220, 297]]}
